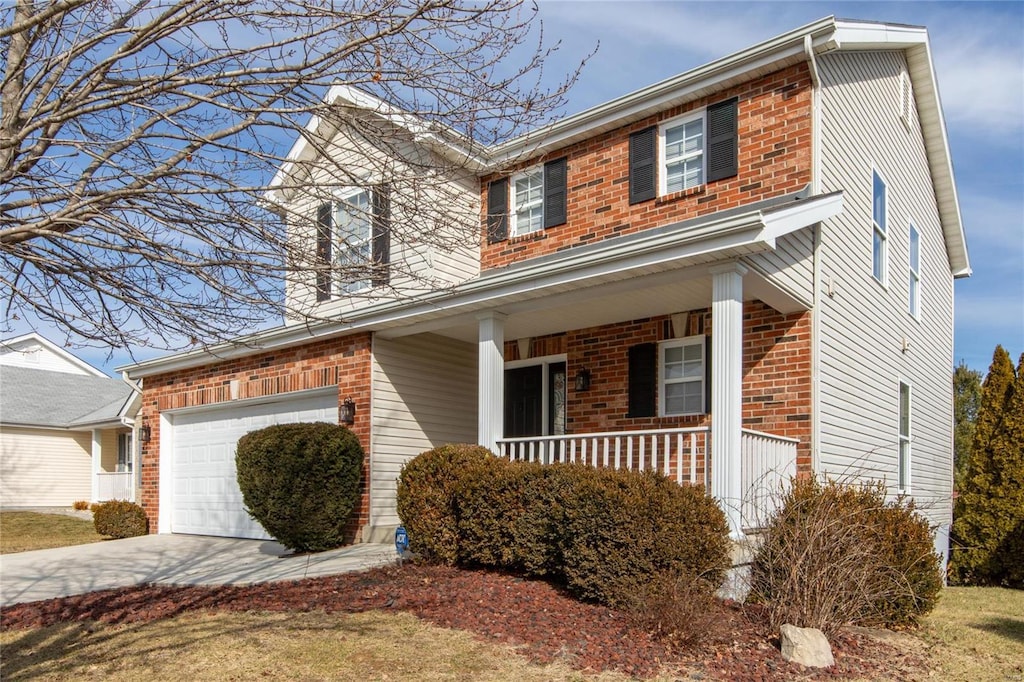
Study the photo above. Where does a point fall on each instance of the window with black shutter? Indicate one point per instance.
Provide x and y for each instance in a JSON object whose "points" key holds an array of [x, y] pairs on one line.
{"points": [[643, 151], [643, 380], [323, 252], [497, 211], [555, 192], [381, 235], [723, 148]]}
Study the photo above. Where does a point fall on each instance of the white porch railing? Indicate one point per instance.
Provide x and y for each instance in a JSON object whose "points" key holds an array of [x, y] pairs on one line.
{"points": [[677, 453], [115, 486], [767, 461]]}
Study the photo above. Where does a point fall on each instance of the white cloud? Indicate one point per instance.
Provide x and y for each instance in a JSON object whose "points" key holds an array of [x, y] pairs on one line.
{"points": [[983, 87]]}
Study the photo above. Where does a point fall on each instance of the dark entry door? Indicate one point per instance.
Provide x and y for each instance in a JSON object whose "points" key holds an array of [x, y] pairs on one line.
{"points": [[524, 401]]}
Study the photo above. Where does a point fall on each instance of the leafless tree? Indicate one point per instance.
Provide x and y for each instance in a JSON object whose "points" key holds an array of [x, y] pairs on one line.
{"points": [[138, 141]]}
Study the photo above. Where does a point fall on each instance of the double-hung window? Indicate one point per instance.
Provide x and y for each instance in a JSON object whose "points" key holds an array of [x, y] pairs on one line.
{"points": [[903, 463], [353, 242], [353, 233], [681, 376], [527, 202], [682, 154], [915, 273], [879, 236]]}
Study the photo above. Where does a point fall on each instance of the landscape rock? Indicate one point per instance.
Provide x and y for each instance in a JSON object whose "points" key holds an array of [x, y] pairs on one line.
{"points": [[806, 646]]}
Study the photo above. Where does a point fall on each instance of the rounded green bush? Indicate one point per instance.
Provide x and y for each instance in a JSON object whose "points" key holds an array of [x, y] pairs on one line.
{"points": [[623, 528], [428, 502], [301, 482], [119, 519]]}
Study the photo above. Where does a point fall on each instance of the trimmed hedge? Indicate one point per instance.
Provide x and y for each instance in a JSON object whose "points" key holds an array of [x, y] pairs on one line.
{"points": [[427, 498], [301, 482], [119, 519], [603, 533]]}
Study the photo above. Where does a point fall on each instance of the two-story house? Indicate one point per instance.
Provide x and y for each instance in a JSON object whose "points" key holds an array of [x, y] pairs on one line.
{"points": [[738, 274]]}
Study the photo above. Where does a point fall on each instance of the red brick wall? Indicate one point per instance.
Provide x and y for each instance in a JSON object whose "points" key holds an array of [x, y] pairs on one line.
{"points": [[776, 373], [344, 362], [774, 128]]}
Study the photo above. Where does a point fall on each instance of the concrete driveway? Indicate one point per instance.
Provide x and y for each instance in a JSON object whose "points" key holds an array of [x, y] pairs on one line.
{"points": [[170, 560]]}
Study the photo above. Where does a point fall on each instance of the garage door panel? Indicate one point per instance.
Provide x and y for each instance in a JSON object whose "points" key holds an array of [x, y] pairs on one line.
{"points": [[206, 499]]}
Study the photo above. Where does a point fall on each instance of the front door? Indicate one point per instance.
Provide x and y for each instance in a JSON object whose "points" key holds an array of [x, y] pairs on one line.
{"points": [[535, 400]]}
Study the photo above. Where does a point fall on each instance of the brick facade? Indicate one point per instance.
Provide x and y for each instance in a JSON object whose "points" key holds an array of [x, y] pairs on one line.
{"points": [[776, 373], [774, 134], [344, 362]]}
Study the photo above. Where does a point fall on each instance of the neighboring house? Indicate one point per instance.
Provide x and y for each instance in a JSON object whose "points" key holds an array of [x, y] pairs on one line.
{"points": [[65, 428], [734, 275]]}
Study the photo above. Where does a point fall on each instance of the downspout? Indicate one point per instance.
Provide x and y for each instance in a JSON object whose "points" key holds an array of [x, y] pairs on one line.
{"points": [[816, 247]]}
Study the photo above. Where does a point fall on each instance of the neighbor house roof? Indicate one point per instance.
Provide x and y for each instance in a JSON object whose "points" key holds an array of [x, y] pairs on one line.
{"points": [[36, 397]]}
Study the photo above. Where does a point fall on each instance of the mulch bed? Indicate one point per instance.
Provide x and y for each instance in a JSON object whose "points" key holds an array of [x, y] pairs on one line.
{"points": [[541, 620]]}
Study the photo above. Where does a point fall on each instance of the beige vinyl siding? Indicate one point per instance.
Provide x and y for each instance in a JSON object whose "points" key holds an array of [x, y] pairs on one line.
{"points": [[869, 341], [424, 395], [44, 468], [790, 266]]}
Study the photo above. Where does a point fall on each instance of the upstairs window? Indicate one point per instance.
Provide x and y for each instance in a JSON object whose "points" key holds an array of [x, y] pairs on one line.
{"points": [[353, 242], [915, 273], [532, 201], [682, 154], [879, 237]]}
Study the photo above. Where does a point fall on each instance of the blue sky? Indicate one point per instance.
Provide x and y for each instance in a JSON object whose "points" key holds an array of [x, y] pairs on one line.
{"points": [[978, 49]]}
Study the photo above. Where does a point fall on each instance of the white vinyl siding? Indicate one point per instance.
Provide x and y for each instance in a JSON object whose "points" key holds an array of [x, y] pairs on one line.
{"points": [[681, 153], [424, 395], [44, 468], [790, 265], [862, 326]]}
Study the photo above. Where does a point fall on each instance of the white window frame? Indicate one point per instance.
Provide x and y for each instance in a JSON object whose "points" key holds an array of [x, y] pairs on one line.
{"points": [[903, 449], [343, 249], [914, 290], [515, 228], [663, 160], [664, 381], [880, 233]]}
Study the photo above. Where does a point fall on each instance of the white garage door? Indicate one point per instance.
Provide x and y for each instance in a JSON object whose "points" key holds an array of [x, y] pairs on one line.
{"points": [[205, 498]]}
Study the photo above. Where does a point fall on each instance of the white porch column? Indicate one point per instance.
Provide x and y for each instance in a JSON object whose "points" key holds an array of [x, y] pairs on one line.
{"points": [[491, 380], [727, 389], [97, 463]]}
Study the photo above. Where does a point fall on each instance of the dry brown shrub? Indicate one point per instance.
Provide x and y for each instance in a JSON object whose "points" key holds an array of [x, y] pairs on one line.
{"points": [[680, 610]]}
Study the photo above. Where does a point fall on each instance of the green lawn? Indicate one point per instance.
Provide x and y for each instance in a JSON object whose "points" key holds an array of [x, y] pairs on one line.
{"points": [[977, 633], [25, 531]]}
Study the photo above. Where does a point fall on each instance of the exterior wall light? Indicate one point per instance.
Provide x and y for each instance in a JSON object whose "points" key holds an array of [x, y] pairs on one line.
{"points": [[583, 380], [347, 412], [145, 433]]}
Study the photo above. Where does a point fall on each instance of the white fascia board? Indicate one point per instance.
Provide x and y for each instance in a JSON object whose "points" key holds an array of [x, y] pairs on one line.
{"points": [[913, 40], [801, 214], [746, 229]]}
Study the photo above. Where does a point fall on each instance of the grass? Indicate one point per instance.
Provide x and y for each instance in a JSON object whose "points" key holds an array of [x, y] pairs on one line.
{"points": [[977, 633], [308, 646], [25, 531]]}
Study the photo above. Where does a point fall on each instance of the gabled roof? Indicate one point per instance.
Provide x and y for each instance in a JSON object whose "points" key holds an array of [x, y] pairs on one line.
{"points": [[36, 397], [19, 343]]}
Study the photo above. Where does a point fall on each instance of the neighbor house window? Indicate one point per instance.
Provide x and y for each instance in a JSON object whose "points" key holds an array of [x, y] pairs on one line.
{"points": [[682, 154], [915, 272], [879, 245], [527, 202], [681, 376], [903, 465], [124, 452]]}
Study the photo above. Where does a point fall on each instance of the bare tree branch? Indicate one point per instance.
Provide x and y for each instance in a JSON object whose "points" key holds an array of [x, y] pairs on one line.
{"points": [[138, 141]]}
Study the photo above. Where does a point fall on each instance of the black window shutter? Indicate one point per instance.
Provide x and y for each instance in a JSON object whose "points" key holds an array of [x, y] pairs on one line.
{"points": [[323, 252], [554, 192], [643, 379], [381, 235], [497, 211], [722, 144], [643, 157], [707, 375]]}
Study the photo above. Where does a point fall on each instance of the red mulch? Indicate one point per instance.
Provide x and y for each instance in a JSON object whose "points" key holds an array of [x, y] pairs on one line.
{"points": [[544, 622]]}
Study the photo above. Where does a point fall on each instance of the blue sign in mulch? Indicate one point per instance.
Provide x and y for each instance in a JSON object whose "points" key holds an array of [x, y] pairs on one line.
{"points": [[401, 540]]}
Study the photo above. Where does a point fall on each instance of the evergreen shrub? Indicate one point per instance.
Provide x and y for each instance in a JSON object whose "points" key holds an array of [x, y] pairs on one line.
{"points": [[301, 482], [119, 519]]}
